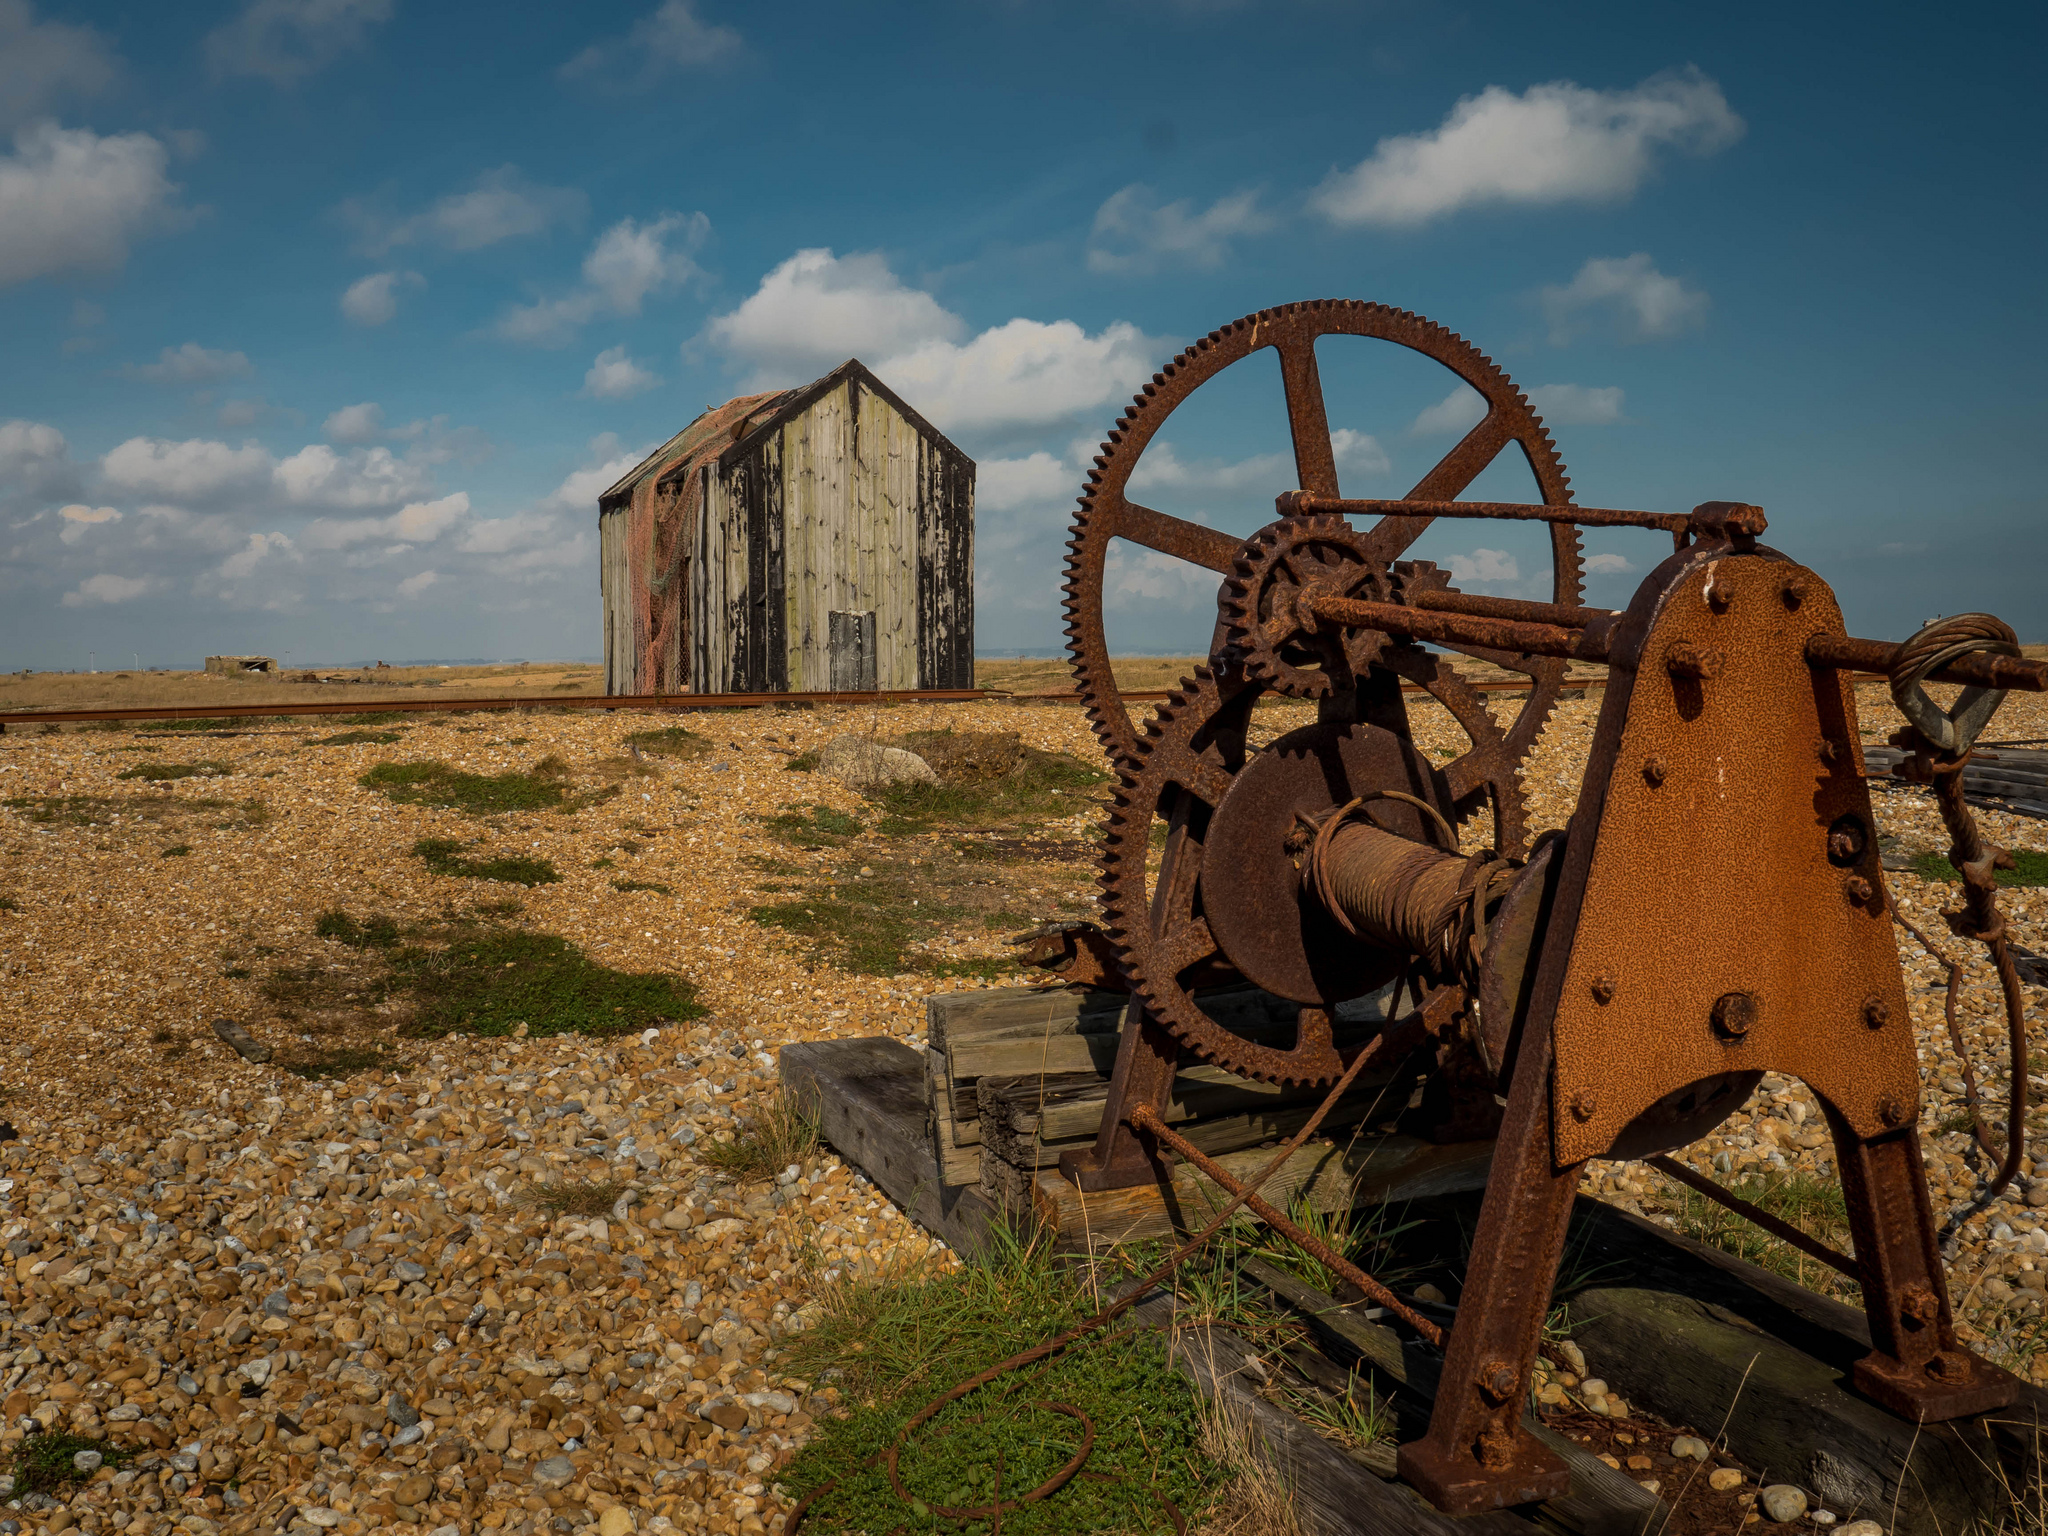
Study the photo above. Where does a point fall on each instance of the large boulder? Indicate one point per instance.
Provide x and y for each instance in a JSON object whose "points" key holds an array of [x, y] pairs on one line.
{"points": [[861, 763]]}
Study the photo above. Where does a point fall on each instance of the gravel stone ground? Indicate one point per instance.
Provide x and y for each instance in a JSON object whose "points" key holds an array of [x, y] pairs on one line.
{"points": [[336, 1305]]}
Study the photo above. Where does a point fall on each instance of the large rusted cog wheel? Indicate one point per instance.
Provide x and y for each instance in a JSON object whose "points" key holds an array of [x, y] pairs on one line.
{"points": [[1107, 513], [1223, 888]]}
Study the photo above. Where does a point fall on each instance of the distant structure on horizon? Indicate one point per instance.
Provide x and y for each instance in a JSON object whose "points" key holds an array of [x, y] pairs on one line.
{"points": [[804, 540]]}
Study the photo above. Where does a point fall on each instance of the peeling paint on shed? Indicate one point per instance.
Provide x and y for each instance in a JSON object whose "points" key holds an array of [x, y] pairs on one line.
{"points": [[816, 538]]}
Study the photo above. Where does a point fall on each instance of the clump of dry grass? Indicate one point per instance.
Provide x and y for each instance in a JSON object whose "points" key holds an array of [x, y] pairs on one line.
{"points": [[1256, 1501], [575, 1197], [785, 1132]]}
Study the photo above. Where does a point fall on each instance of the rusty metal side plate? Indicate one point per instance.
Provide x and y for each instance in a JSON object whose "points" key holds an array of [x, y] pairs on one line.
{"points": [[1712, 875]]}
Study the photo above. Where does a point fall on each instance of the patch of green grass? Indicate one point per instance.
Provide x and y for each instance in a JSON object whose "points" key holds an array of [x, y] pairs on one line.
{"points": [[864, 923], [784, 1133], [372, 933], [604, 861], [671, 741], [2029, 868], [1814, 1206], [643, 885], [1354, 1418], [437, 783], [177, 851], [898, 1341], [576, 1197], [803, 762], [374, 717], [444, 857], [9, 904], [105, 810], [42, 1462], [357, 739], [228, 723], [344, 1061], [816, 826], [984, 780], [161, 773], [511, 906], [238, 973], [491, 983]]}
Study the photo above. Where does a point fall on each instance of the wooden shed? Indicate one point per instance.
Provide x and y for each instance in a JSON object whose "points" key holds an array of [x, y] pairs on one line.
{"points": [[810, 539]]}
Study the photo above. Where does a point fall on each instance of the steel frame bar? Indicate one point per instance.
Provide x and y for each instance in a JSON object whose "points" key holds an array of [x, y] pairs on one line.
{"points": [[1307, 503]]}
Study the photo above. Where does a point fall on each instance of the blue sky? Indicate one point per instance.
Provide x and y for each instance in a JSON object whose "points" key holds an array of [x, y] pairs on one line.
{"points": [[322, 322]]}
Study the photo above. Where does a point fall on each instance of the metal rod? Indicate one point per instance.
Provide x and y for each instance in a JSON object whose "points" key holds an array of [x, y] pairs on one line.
{"points": [[1146, 1119], [1979, 669], [1783, 1231], [1587, 644], [1307, 503], [1566, 614]]}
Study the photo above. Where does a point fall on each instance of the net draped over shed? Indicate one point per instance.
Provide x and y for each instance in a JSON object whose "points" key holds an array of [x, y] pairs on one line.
{"points": [[802, 540]]}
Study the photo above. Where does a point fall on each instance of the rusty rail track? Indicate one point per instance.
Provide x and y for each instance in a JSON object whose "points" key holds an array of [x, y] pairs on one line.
{"points": [[628, 702]]}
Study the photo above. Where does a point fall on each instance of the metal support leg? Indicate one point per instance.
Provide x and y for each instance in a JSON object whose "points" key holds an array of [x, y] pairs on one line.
{"points": [[1476, 1455], [1121, 1158], [1916, 1368]]}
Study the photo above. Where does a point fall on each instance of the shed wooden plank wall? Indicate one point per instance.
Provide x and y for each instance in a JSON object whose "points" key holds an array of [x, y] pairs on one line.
{"points": [[622, 625], [845, 506]]}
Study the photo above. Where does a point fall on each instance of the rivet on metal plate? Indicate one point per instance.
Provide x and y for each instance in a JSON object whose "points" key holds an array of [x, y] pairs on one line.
{"points": [[1891, 1111], [1653, 770], [1793, 593], [1734, 1014], [1583, 1105], [1876, 1012], [1829, 752], [1858, 889], [1603, 989]]}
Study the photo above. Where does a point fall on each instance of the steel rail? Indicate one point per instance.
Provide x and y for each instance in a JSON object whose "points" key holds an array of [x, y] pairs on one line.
{"points": [[631, 702]]}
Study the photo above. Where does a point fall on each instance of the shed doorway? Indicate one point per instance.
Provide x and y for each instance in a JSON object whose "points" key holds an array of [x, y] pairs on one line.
{"points": [[850, 645]]}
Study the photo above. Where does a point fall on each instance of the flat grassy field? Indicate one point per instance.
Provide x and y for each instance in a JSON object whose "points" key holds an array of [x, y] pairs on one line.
{"points": [[170, 690]]}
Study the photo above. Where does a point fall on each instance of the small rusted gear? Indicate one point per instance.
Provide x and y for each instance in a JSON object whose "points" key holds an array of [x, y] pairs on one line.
{"points": [[1280, 646], [1106, 513]]}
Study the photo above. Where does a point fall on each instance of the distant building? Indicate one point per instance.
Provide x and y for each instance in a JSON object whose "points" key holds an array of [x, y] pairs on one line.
{"points": [[805, 540], [240, 666]]}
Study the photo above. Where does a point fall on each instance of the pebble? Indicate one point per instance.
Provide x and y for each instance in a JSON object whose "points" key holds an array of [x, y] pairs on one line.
{"points": [[1689, 1448], [1722, 1479], [1861, 1528], [1783, 1503], [616, 1521]]}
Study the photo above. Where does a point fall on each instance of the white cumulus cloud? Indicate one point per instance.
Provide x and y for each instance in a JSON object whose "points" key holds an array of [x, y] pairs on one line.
{"points": [[195, 470], [362, 423], [1006, 485], [502, 205], [672, 37], [629, 262], [1609, 565], [1554, 143], [421, 522], [317, 476], [1359, 452], [80, 519], [615, 376], [107, 588], [816, 310], [244, 561], [373, 300], [1576, 405], [191, 364], [413, 586], [35, 464], [1135, 232], [1485, 567], [71, 199], [1642, 303], [45, 62], [283, 41]]}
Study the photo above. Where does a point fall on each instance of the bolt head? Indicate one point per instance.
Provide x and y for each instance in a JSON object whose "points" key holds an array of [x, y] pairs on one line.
{"points": [[1735, 1013], [1829, 752], [1653, 770], [1603, 989], [1583, 1105], [1858, 888], [1950, 1365], [1891, 1111], [1876, 1012], [1499, 1379], [1793, 593]]}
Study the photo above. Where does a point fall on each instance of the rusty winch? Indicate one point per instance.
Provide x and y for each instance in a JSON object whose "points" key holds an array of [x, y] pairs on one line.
{"points": [[1715, 909]]}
